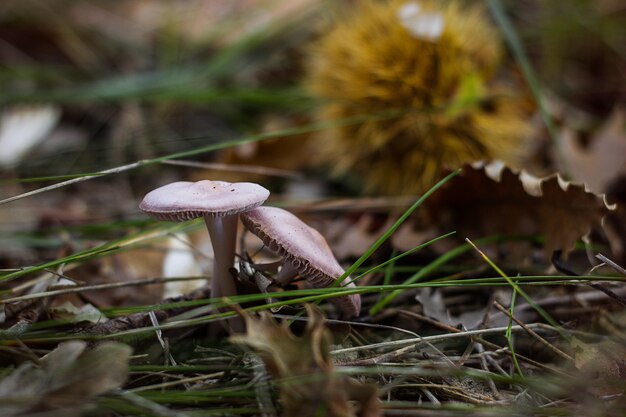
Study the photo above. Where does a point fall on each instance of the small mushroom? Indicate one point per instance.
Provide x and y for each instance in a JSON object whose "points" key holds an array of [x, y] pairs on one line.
{"points": [[304, 251], [219, 203]]}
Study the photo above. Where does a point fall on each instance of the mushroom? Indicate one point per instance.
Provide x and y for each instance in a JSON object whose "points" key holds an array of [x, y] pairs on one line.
{"points": [[304, 251], [219, 203]]}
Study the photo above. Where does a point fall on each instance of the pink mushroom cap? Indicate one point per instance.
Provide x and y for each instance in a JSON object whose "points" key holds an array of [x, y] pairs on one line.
{"points": [[304, 247], [184, 200]]}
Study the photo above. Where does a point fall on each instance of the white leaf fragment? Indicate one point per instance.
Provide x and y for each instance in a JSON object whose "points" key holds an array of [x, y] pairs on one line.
{"points": [[23, 128]]}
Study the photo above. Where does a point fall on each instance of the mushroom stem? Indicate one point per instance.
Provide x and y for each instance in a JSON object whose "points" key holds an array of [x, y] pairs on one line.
{"points": [[223, 233]]}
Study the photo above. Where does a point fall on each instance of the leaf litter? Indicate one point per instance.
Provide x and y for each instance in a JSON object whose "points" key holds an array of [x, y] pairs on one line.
{"points": [[302, 368], [65, 380], [453, 340]]}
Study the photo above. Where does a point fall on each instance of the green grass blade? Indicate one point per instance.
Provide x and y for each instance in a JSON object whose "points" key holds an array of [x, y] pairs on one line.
{"points": [[515, 44], [543, 313], [509, 334], [428, 269], [395, 258], [395, 227]]}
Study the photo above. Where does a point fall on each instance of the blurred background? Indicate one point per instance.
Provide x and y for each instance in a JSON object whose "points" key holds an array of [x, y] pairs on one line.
{"points": [[347, 111], [351, 99]]}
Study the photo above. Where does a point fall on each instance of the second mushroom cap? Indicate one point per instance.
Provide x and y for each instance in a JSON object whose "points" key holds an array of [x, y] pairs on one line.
{"points": [[302, 246]]}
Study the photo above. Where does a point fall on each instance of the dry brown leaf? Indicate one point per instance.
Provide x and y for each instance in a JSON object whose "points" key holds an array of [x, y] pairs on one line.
{"points": [[308, 384], [615, 225], [604, 159], [602, 165], [491, 199], [602, 366], [352, 239], [72, 314], [408, 237], [67, 379], [131, 265], [434, 306]]}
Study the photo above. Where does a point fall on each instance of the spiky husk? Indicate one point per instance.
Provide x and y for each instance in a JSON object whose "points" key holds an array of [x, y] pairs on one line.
{"points": [[428, 101]]}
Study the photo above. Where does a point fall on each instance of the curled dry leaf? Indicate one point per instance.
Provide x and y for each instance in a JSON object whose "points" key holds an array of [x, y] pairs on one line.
{"points": [[73, 314], [308, 384], [65, 380], [602, 366], [492, 199], [604, 160]]}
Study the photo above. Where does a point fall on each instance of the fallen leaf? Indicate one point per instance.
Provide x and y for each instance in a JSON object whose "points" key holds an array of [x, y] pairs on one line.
{"points": [[65, 380], [604, 159], [602, 365], [408, 237], [434, 306], [69, 312], [491, 199], [615, 224], [131, 265], [352, 239], [308, 384], [23, 128]]}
